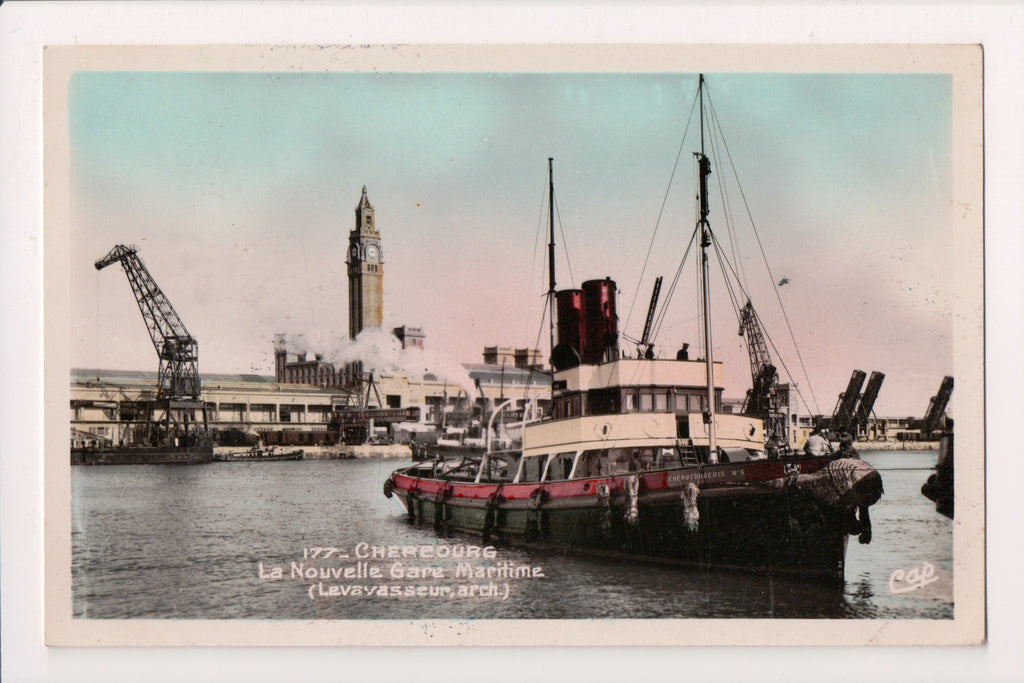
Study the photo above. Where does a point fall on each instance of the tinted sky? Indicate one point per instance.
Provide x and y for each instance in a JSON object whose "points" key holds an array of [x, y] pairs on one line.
{"points": [[240, 189]]}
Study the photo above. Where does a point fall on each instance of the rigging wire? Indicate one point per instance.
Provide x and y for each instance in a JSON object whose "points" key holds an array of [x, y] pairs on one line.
{"points": [[725, 276], [661, 211], [760, 323], [536, 238], [659, 319], [536, 345], [561, 231], [716, 142], [771, 275]]}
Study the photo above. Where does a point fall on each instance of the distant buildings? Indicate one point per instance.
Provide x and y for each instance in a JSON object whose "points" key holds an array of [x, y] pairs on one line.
{"points": [[411, 337], [298, 404], [515, 358]]}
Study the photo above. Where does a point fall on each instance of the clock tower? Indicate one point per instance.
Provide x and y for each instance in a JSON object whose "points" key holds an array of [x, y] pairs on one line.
{"points": [[365, 271]]}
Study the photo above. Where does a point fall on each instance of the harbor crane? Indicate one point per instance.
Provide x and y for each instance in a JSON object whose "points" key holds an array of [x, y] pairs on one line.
{"points": [[178, 384], [867, 402], [763, 399], [178, 375], [845, 413], [933, 421], [853, 408]]}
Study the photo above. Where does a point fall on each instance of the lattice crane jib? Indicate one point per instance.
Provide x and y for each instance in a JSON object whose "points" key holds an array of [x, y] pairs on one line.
{"points": [[756, 347], [178, 375], [763, 397]]}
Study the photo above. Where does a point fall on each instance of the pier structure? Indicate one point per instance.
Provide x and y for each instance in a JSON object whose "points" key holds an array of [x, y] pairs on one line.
{"points": [[108, 406]]}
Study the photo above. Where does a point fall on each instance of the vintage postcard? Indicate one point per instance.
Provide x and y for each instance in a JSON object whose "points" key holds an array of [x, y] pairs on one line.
{"points": [[437, 345]]}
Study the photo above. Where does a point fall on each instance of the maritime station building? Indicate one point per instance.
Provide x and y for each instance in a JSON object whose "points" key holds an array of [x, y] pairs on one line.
{"points": [[108, 407]]}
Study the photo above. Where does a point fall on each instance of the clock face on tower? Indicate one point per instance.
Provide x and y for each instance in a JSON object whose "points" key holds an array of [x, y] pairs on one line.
{"points": [[372, 253]]}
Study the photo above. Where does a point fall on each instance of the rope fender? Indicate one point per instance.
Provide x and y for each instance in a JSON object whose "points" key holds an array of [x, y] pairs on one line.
{"points": [[632, 499], [537, 497], [491, 515], [691, 515], [442, 513], [410, 502]]}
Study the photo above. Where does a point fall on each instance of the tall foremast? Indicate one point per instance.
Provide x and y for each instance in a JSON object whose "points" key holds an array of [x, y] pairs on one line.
{"points": [[704, 170], [551, 265]]}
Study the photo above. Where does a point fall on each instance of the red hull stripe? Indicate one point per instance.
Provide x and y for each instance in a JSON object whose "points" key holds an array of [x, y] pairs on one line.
{"points": [[704, 477]]}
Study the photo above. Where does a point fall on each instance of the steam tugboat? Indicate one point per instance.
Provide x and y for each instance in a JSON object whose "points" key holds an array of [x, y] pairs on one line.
{"points": [[638, 461]]}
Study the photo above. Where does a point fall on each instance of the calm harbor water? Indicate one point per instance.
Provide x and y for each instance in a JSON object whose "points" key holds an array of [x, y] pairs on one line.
{"points": [[219, 541]]}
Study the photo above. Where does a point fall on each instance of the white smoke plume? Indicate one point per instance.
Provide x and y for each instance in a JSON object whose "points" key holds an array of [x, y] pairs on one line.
{"points": [[382, 354]]}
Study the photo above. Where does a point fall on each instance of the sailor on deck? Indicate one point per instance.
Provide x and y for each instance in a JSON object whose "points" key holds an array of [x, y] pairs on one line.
{"points": [[817, 445], [846, 448]]}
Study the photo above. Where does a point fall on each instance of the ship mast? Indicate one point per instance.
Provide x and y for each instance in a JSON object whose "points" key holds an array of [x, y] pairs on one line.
{"points": [[704, 170], [551, 270]]}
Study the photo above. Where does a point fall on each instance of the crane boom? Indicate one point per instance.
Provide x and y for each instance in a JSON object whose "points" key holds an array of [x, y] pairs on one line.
{"points": [[178, 375], [763, 399], [846, 406], [756, 347], [645, 340], [867, 401], [937, 407]]}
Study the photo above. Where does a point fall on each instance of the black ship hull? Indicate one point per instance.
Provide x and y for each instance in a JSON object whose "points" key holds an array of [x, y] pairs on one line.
{"points": [[794, 524]]}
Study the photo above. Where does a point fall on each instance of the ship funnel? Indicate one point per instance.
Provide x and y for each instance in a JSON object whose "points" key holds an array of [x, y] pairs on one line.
{"points": [[571, 329], [601, 327]]}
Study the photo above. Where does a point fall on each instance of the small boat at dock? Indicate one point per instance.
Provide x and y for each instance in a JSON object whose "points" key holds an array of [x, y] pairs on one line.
{"points": [[258, 454]]}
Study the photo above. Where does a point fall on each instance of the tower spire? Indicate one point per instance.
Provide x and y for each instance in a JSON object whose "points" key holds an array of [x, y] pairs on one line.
{"points": [[365, 270]]}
